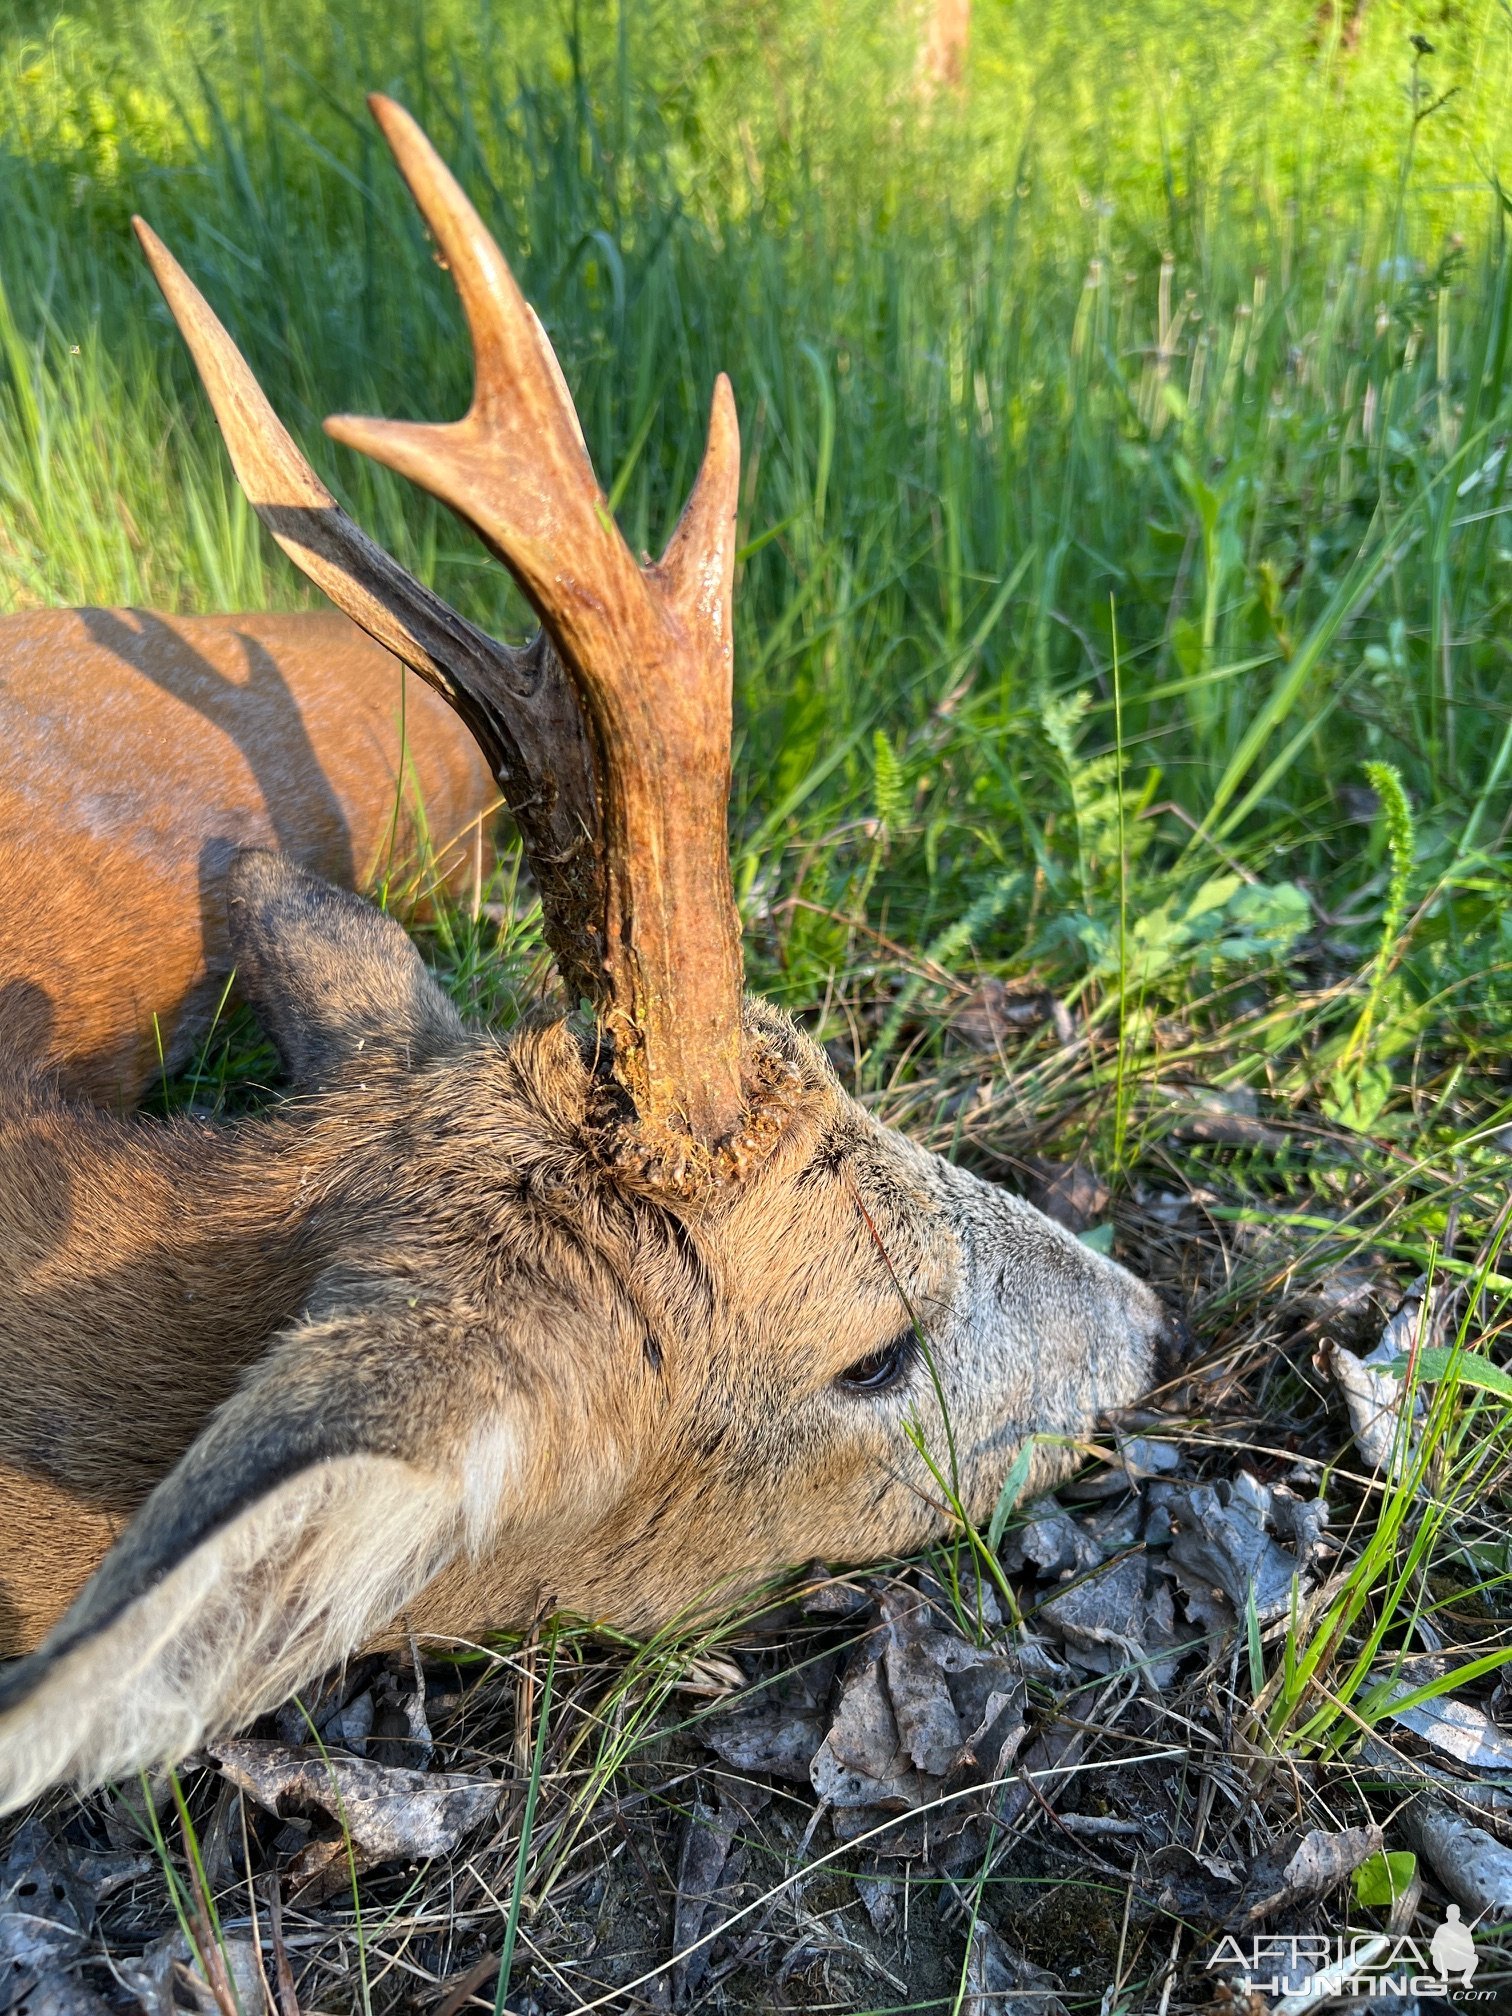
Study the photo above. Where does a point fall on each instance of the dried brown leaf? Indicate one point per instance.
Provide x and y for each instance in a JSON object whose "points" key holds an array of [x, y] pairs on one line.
{"points": [[707, 1834], [1120, 1615], [392, 1815], [46, 1916], [777, 1727], [1320, 1862]]}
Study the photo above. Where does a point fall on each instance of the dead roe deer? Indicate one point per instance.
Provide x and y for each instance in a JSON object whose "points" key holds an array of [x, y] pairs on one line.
{"points": [[633, 1306], [148, 749]]}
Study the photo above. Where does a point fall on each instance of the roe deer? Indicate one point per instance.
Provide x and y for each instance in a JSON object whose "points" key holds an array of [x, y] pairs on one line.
{"points": [[633, 1306], [149, 748]]}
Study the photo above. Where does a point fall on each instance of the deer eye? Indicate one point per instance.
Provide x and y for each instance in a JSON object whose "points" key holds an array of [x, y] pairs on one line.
{"points": [[880, 1369]]}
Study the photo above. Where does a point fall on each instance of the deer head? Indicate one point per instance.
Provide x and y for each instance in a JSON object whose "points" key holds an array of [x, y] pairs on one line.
{"points": [[622, 1313]]}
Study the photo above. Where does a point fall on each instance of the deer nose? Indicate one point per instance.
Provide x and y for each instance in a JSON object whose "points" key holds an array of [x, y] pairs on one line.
{"points": [[1175, 1344]]}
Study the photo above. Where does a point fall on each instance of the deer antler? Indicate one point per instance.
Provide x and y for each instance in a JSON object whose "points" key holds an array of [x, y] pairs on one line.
{"points": [[649, 650], [614, 750], [520, 705]]}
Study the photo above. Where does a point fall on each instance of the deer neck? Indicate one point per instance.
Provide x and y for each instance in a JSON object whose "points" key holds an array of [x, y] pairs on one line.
{"points": [[147, 1263]]}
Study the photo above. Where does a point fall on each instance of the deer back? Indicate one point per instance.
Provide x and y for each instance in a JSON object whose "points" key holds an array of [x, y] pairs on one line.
{"points": [[141, 752]]}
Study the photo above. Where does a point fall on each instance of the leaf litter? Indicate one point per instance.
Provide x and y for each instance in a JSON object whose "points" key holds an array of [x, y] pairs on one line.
{"points": [[386, 1812]]}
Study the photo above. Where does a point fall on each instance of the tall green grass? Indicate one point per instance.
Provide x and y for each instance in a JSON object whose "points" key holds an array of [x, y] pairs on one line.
{"points": [[1186, 319]]}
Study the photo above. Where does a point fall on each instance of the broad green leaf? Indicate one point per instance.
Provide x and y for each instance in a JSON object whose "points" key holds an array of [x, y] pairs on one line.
{"points": [[1469, 1369], [1382, 1878], [1356, 1099], [1264, 919]]}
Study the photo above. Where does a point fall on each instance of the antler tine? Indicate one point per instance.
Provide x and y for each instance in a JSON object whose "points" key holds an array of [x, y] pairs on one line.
{"points": [[521, 409], [287, 494], [649, 649], [698, 566], [518, 704]]}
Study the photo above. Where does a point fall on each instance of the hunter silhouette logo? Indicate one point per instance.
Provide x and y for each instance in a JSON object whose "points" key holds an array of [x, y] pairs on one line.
{"points": [[1453, 1948]]}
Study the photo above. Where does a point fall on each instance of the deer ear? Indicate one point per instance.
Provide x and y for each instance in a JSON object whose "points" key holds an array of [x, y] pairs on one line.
{"points": [[330, 977], [362, 1455]]}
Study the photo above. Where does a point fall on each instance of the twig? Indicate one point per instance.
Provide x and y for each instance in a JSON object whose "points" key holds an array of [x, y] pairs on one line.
{"points": [[283, 1974]]}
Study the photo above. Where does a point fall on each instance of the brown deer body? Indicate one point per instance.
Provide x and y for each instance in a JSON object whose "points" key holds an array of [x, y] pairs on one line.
{"points": [[557, 1387], [149, 749], [630, 1309]]}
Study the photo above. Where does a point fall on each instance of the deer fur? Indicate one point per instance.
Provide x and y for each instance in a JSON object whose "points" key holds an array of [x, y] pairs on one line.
{"points": [[410, 1343], [147, 749], [623, 1314]]}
